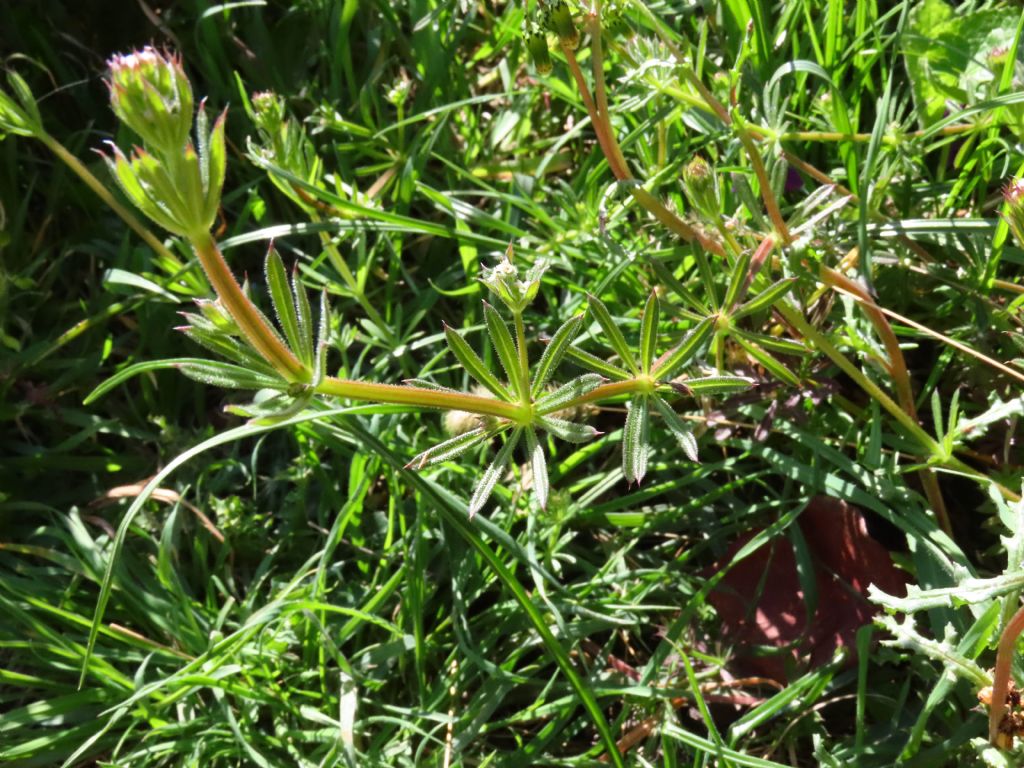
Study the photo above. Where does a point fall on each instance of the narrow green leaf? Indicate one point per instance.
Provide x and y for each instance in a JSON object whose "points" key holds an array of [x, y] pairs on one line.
{"points": [[501, 338], [304, 319], [595, 363], [553, 353], [217, 165], [570, 431], [281, 296], [713, 385], [770, 363], [649, 333], [226, 375], [273, 410], [765, 298], [685, 350], [936, 402], [635, 443], [539, 465], [473, 364], [737, 279], [449, 449], [568, 392], [492, 474], [320, 352], [680, 429], [221, 344], [613, 334]]}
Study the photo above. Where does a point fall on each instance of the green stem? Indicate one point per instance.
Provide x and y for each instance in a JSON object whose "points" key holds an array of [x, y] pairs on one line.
{"points": [[524, 361], [104, 194], [250, 321], [607, 391], [617, 163], [422, 397]]}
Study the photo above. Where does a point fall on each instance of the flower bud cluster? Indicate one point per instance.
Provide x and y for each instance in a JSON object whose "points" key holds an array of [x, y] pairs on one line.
{"points": [[174, 182], [700, 183], [503, 281], [557, 17]]}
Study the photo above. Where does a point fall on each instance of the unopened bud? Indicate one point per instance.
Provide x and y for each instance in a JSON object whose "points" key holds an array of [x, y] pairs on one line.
{"points": [[558, 18], [268, 111], [997, 57], [537, 47], [700, 183], [150, 94]]}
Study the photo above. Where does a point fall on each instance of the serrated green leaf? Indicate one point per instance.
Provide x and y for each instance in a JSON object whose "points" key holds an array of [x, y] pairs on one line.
{"points": [[554, 352], [595, 363], [227, 347], [570, 431], [539, 465], [216, 163], [649, 333], [737, 279], [320, 352], [303, 318], [501, 338], [492, 474], [450, 448], [713, 385], [680, 429], [274, 409], [474, 365], [281, 298], [227, 375], [635, 442], [765, 298], [613, 334], [685, 350], [568, 392]]}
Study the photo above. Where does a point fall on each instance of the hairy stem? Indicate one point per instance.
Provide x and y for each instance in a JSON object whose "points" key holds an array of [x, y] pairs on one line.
{"points": [[613, 153], [250, 321], [421, 397]]}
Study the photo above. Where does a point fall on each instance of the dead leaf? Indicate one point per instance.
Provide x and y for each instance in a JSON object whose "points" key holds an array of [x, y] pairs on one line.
{"points": [[760, 601]]}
